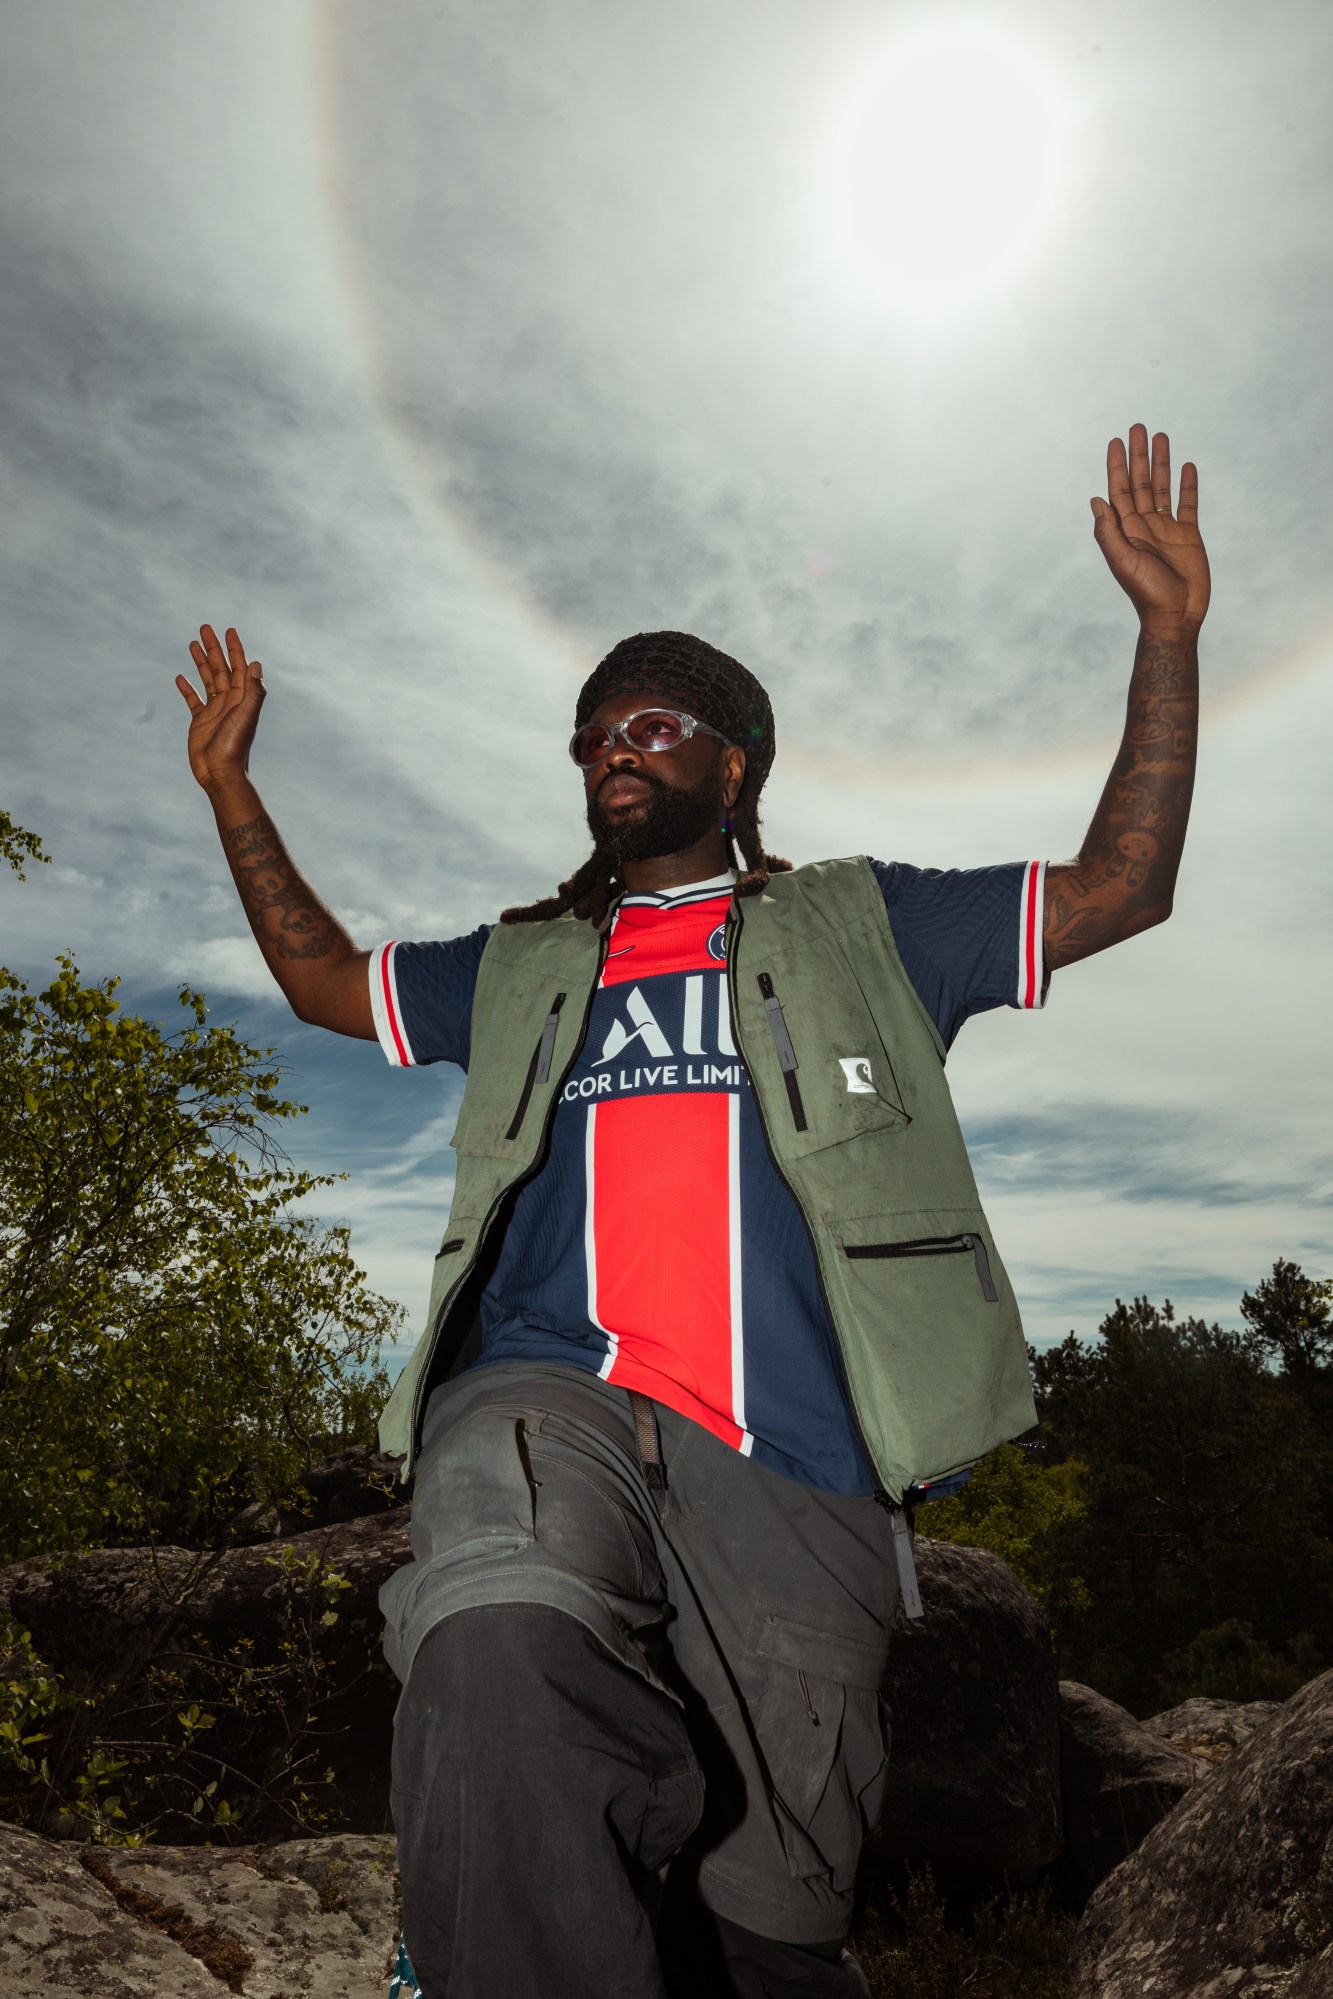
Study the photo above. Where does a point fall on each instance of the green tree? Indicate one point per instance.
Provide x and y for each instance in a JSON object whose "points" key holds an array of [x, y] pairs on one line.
{"points": [[18, 846], [175, 1334], [1290, 1320], [1229, 1663], [1028, 1512], [1204, 1498]]}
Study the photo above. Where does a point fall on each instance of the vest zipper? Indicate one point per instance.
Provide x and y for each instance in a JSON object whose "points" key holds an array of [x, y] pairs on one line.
{"points": [[734, 921], [539, 1068], [935, 1245], [900, 1519], [777, 1026], [452, 1293]]}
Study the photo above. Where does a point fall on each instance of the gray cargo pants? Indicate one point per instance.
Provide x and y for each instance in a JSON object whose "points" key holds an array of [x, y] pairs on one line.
{"points": [[601, 1680]]}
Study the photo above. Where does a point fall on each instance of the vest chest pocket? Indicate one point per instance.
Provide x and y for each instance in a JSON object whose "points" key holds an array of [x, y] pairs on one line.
{"points": [[824, 1046], [492, 1119]]}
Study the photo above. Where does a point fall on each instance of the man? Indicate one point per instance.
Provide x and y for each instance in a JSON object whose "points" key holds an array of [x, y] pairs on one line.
{"points": [[718, 1262]]}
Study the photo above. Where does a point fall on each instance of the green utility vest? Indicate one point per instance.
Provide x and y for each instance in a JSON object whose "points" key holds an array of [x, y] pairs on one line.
{"points": [[848, 1073]]}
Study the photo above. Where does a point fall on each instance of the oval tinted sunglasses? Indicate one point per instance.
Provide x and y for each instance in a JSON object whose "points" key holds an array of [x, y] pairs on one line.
{"points": [[647, 729]]}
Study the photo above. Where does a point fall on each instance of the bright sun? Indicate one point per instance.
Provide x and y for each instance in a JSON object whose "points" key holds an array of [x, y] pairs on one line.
{"points": [[946, 166]]}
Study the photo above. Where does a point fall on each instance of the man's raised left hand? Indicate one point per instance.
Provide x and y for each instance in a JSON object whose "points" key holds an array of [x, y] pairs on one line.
{"points": [[1155, 554]]}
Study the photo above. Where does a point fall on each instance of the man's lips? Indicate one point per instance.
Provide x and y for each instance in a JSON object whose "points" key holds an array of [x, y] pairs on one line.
{"points": [[622, 791]]}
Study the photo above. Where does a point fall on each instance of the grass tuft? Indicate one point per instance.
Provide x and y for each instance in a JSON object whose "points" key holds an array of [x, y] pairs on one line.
{"points": [[1014, 1947]]}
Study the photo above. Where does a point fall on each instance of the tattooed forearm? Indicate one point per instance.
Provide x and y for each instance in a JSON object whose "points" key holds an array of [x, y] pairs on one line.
{"points": [[322, 974], [1125, 874], [270, 884]]}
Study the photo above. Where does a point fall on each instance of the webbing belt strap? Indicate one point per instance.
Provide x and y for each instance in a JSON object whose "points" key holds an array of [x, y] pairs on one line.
{"points": [[648, 1440]]}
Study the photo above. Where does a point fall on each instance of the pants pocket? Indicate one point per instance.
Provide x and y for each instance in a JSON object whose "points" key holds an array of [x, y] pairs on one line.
{"points": [[820, 1733], [473, 1505], [588, 1518]]}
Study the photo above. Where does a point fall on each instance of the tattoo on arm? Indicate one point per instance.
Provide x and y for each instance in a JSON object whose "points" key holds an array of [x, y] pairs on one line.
{"points": [[1125, 873], [268, 880]]}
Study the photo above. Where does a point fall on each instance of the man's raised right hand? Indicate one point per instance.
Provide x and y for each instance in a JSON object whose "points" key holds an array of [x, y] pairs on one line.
{"points": [[321, 972], [222, 727]]}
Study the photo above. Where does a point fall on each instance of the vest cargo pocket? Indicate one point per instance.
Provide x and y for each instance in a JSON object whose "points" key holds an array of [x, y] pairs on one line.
{"points": [[934, 1350], [957, 1245]]}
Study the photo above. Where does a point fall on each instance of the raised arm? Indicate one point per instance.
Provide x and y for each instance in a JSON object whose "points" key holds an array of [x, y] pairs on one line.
{"points": [[1124, 877], [318, 967]]}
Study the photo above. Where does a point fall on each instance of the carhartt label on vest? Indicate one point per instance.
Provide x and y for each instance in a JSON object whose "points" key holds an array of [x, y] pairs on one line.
{"points": [[856, 1068]]}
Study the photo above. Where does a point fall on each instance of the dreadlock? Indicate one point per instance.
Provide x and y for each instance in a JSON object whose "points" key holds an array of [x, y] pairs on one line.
{"points": [[718, 690]]}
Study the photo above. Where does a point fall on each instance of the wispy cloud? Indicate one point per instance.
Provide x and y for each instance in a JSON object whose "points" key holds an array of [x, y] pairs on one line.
{"points": [[438, 352]]}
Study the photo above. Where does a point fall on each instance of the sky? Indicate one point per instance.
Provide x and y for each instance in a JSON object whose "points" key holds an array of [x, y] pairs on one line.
{"points": [[439, 347]]}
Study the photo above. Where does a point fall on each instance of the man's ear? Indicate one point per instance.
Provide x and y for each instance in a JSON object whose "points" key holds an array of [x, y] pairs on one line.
{"points": [[733, 759]]}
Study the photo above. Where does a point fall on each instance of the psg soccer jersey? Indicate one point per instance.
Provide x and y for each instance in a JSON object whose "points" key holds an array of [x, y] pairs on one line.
{"points": [[656, 1245]]}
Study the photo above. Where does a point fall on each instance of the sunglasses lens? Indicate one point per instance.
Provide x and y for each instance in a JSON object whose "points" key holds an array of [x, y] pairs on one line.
{"points": [[656, 729], [589, 743]]}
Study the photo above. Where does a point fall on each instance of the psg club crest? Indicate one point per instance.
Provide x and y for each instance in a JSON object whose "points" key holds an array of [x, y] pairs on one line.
{"points": [[717, 944]]}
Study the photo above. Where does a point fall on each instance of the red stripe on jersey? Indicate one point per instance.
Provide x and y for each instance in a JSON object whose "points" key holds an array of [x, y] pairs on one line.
{"points": [[648, 940], [1030, 976], [662, 1244], [390, 1009]]}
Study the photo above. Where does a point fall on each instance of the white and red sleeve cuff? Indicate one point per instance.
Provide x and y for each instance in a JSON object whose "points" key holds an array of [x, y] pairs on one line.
{"points": [[388, 1014], [1033, 978]]}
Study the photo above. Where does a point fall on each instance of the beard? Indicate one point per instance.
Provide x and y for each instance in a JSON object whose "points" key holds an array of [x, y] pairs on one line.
{"points": [[668, 821]]}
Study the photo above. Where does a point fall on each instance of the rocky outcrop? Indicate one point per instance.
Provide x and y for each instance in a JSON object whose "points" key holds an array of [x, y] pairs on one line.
{"points": [[94, 1618], [354, 1482], [971, 1689], [1117, 1781], [120, 1614], [1208, 1730], [972, 1698], [312, 1917], [1233, 1892]]}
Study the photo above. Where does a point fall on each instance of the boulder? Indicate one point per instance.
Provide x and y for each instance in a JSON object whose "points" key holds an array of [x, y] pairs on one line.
{"points": [[1232, 1893], [973, 1704], [1208, 1730], [356, 1481], [1117, 1780], [312, 1917], [93, 1619], [119, 1613]]}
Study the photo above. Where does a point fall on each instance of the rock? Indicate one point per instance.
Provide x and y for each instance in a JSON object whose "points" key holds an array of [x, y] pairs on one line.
{"points": [[971, 1692], [1208, 1730], [312, 1917], [60, 1927], [1232, 1894], [92, 1618], [1117, 1781], [117, 1613], [356, 1482]]}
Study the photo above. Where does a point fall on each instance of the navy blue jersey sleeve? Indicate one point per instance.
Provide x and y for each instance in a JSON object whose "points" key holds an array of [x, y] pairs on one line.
{"points": [[421, 996], [969, 938]]}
